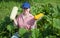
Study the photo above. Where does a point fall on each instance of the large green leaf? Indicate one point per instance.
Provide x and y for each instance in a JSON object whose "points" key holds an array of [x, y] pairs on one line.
{"points": [[10, 28], [35, 33], [22, 31], [56, 23]]}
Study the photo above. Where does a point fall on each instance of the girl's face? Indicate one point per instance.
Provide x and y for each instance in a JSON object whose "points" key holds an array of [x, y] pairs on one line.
{"points": [[26, 10]]}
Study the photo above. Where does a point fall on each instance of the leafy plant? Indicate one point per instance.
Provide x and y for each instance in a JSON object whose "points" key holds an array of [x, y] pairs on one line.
{"points": [[47, 27]]}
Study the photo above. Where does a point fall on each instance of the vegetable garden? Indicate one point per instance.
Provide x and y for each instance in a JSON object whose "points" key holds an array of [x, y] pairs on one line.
{"points": [[47, 27]]}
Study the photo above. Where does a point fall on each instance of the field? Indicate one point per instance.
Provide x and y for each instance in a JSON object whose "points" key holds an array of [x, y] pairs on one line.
{"points": [[47, 27]]}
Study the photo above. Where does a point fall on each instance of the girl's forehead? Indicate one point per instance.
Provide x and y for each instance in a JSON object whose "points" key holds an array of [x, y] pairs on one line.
{"points": [[26, 9]]}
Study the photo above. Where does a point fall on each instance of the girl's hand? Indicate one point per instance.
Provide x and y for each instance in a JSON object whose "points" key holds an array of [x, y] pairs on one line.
{"points": [[15, 22]]}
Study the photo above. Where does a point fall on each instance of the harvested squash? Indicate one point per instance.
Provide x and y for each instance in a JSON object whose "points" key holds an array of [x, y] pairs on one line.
{"points": [[14, 13], [38, 16]]}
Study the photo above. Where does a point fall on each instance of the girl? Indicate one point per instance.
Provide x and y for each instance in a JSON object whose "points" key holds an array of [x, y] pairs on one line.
{"points": [[26, 19]]}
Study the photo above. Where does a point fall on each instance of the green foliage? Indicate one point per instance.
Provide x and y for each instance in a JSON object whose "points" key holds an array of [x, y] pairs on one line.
{"points": [[47, 27], [22, 31], [56, 23], [10, 28]]}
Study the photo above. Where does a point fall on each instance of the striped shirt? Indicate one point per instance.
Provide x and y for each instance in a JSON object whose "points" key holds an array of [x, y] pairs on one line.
{"points": [[25, 21]]}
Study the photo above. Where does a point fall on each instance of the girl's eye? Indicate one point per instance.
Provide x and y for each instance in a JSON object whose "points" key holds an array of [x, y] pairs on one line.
{"points": [[25, 8]]}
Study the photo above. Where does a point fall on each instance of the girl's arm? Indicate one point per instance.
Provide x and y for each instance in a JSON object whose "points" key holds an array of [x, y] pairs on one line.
{"points": [[15, 22], [35, 25]]}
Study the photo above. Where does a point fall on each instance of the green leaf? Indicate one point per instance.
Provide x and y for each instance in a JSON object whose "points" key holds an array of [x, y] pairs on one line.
{"points": [[22, 31], [33, 33], [56, 23], [4, 37], [9, 27], [50, 36]]}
